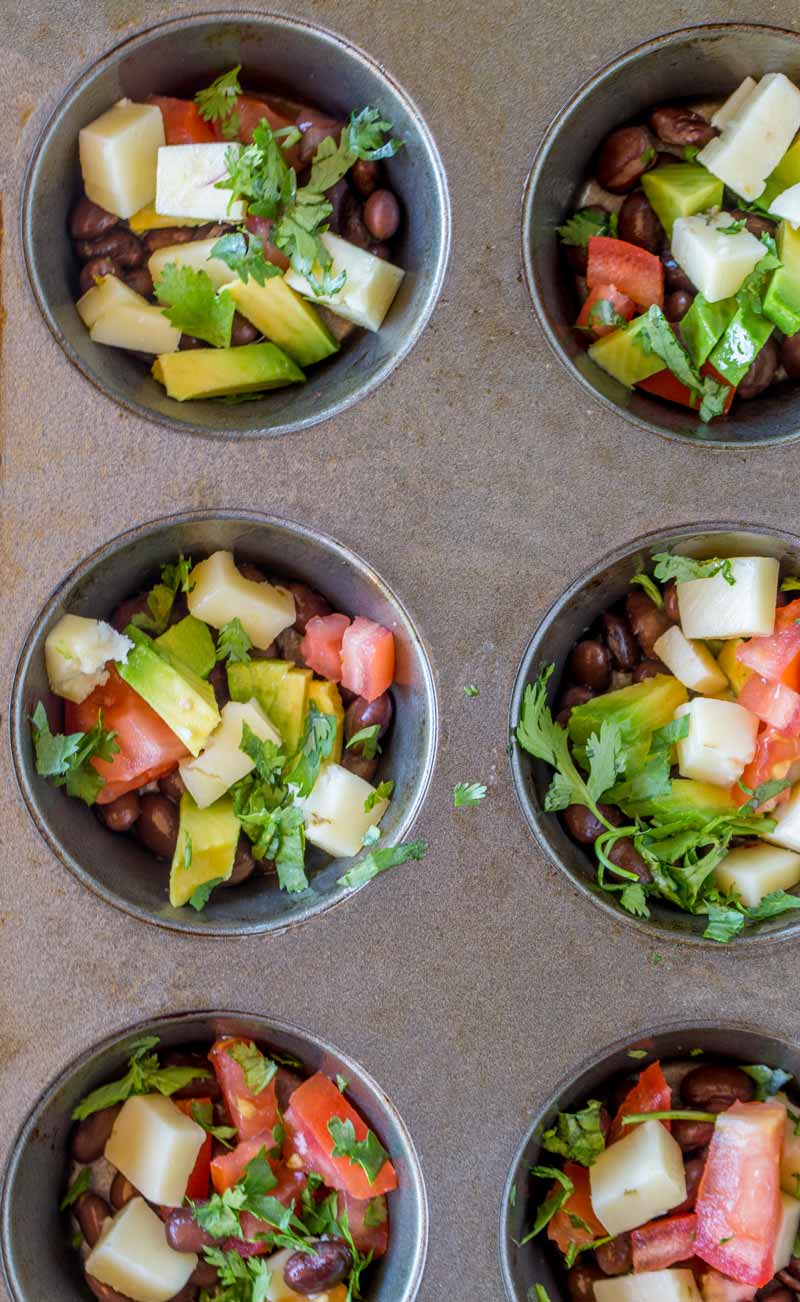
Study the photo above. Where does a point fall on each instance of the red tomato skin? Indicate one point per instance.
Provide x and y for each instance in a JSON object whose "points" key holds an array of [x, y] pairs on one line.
{"points": [[621, 304], [776, 658], [368, 658], [739, 1199], [633, 270], [183, 124], [662, 1243], [148, 748], [651, 1093], [367, 1238], [665, 385], [776, 704], [785, 616], [197, 1187], [774, 756], [312, 1105], [251, 1114], [251, 110], [560, 1229], [321, 647]]}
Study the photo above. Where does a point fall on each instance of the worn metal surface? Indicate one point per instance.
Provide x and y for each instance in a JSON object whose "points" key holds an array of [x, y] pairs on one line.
{"points": [[478, 481]]}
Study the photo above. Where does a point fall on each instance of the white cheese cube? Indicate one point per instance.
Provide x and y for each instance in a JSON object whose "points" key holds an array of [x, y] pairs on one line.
{"points": [[144, 329], [368, 291], [721, 740], [107, 292], [691, 662], [118, 153], [223, 762], [76, 651], [755, 139], [787, 205], [650, 1286], [787, 823], [186, 183], [718, 264], [334, 811], [733, 104], [788, 1227], [637, 1178], [132, 1256], [220, 593], [753, 871], [712, 608], [197, 255], [155, 1145]]}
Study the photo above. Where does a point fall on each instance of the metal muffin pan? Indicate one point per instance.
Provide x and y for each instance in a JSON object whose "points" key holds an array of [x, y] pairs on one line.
{"points": [[480, 482], [299, 59], [48, 1267]]}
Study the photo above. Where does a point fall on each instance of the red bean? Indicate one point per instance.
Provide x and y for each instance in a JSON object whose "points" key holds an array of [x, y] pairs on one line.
{"points": [[88, 220], [120, 815], [382, 214], [365, 176]]}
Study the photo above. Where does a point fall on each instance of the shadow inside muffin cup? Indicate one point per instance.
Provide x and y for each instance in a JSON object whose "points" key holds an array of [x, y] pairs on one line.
{"points": [[38, 1259], [696, 63], [537, 1262], [564, 624], [286, 56], [117, 867]]}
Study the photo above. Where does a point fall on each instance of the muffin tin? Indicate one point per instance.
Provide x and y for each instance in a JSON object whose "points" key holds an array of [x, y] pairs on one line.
{"points": [[479, 483]]}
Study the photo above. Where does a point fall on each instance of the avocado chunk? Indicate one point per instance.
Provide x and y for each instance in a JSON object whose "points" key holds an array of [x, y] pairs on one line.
{"points": [[178, 695], [621, 354], [285, 318], [704, 324], [782, 299], [736, 673], [189, 645], [280, 688], [786, 174], [205, 849], [685, 796], [681, 190], [638, 711], [219, 372], [327, 698], [741, 343]]}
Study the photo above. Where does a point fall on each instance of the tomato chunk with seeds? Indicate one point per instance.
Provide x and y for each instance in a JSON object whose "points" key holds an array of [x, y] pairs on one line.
{"points": [[786, 616], [561, 1228], [367, 658], [312, 1105], [776, 704], [775, 755], [197, 1187], [776, 658], [321, 647], [183, 124], [633, 270], [590, 317], [651, 1093], [252, 1114]]}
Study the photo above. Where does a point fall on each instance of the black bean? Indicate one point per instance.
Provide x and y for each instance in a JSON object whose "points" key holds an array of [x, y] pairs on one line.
{"points": [[692, 1134], [790, 356], [646, 620], [104, 1292], [166, 236], [361, 713], [242, 331], [680, 126], [358, 764], [625, 855], [141, 281], [677, 304], [581, 1281], [674, 276], [122, 1191], [623, 159], [172, 786], [756, 224], [121, 245], [647, 669], [243, 863], [671, 607], [761, 372], [365, 176]]}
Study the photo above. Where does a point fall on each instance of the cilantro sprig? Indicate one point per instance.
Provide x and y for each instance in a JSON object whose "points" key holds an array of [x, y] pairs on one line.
{"points": [[161, 597], [66, 758], [233, 643], [144, 1075], [217, 102], [466, 794], [380, 860], [582, 225], [203, 1115], [79, 1186], [367, 740], [668, 566], [553, 1202], [259, 1071], [577, 1136], [368, 1153], [657, 336], [194, 306], [244, 254]]}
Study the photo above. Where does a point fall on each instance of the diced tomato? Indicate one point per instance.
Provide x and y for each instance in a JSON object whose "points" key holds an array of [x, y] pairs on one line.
{"points": [[367, 1238], [666, 385], [739, 1199], [262, 227], [718, 1288], [651, 1093], [775, 755], [560, 1229], [621, 304], [661, 1243], [183, 124], [777, 705], [251, 1114], [367, 658], [147, 747], [228, 1168], [321, 647], [785, 616], [776, 658], [312, 1105], [634, 271], [198, 1186], [251, 111]]}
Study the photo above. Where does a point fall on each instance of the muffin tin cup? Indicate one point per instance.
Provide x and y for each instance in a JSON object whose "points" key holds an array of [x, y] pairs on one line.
{"points": [[695, 63], [291, 56], [560, 628], [116, 867], [522, 1267], [37, 1257]]}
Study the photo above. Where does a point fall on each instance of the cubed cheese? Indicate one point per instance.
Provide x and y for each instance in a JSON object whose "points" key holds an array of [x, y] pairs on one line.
{"points": [[756, 137], [787, 822], [787, 205], [677, 1285], [368, 291], [155, 1145], [637, 1178], [721, 740], [788, 1227], [107, 292], [143, 328], [223, 762], [76, 651], [753, 871], [713, 608], [691, 662], [733, 104], [335, 816], [716, 263], [219, 593], [195, 254], [118, 153], [132, 1256], [186, 183]]}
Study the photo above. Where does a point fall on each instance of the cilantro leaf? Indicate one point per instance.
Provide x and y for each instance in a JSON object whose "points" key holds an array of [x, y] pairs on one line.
{"points": [[244, 254], [378, 861], [341, 1083], [553, 1202], [368, 1153], [471, 689], [316, 746], [582, 225], [201, 894], [772, 905], [603, 313], [144, 1075], [367, 739], [658, 337], [187, 850], [258, 1070], [733, 228], [194, 306], [538, 1293], [645, 582], [382, 792], [768, 1080], [762, 793], [218, 102], [203, 1115], [244, 1279], [267, 756], [577, 1136], [376, 1212], [633, 900], [468, 793], [66, 759], [291, 853], [233, 643], [684, 568], [260, 174], [161, 597], [690, 153], [80, 1184], [364, 136], [371, 836], [723, 923]]}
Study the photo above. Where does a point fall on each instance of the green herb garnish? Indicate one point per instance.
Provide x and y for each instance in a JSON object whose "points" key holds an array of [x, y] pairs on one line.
{"points": [[144, 1075], [367, 739], [218, 102], [194, 306], [368, 1153], [258, 1070], [468, 793], [66, 758], [378, 861], [233, 643]]}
